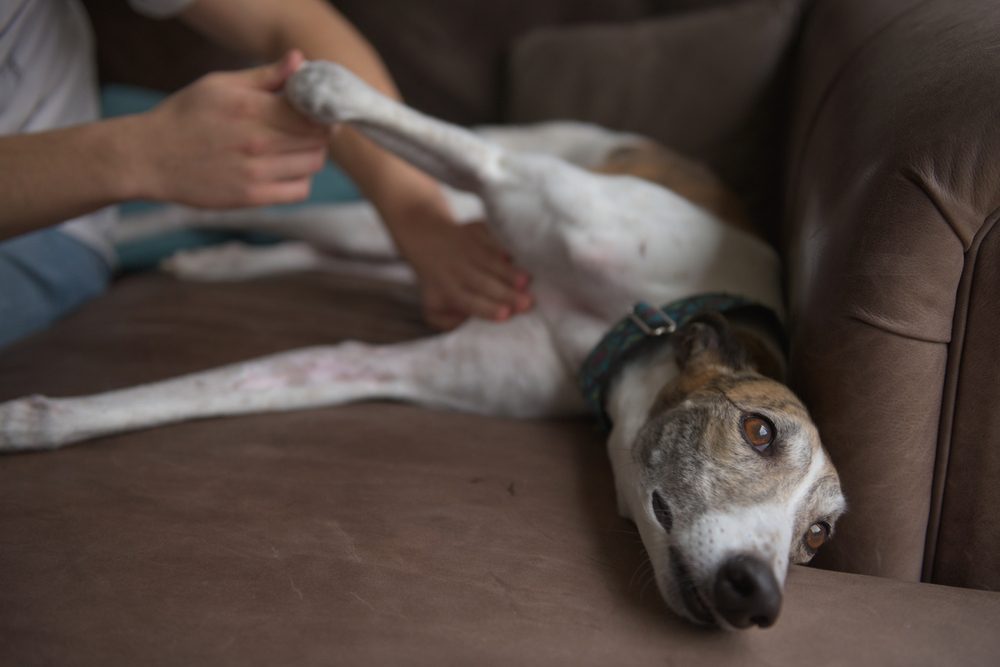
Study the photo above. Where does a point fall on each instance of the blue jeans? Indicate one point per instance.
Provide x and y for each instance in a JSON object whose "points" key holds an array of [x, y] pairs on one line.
{"points": [[44, 276]]}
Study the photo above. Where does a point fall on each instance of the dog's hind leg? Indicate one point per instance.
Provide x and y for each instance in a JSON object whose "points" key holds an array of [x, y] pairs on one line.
{"points": [[510, 369], [236, 261]]}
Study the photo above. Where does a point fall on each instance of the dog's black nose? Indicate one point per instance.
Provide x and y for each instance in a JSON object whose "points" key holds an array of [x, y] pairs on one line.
{"points": [[746, 592]]}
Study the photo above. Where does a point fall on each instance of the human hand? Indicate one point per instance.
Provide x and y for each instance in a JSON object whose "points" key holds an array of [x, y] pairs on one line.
{"points": [[462, 271], [229, 140]]}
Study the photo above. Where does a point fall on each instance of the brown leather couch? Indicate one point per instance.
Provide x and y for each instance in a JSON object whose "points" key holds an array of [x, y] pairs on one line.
{"points": [[892, 193], [863, 133]]}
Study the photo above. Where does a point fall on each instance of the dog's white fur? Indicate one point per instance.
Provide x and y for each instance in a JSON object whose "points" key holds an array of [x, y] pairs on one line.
{"points": [[594, 245]]}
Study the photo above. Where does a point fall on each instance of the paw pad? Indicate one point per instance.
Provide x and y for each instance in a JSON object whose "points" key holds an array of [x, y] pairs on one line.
{"points": [[324, 91]]}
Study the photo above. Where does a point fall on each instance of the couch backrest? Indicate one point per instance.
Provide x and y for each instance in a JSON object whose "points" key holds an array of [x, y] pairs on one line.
{"points": [[447, 55], [707, 77]]}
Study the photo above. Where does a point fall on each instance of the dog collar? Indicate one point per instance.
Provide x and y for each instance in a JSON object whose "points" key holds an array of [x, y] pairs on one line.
{"points": [[643, 324]]}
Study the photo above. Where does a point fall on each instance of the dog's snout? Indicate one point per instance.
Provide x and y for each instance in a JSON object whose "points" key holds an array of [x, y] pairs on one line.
{"points": [[747, 593]]}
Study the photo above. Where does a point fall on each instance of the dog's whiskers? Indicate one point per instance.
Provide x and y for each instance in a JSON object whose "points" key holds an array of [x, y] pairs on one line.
{"points": [[642, 570], [649, 578], [631, 533]]}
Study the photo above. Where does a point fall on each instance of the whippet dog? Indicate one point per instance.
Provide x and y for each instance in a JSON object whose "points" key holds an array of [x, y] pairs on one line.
{"points": [[715, 460]]}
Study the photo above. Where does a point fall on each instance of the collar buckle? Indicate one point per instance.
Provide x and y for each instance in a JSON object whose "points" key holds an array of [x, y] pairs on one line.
{"points": [[652, 321]]}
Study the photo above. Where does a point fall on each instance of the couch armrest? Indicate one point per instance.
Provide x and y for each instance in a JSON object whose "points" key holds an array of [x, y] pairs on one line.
{"points": [[892, 195]]}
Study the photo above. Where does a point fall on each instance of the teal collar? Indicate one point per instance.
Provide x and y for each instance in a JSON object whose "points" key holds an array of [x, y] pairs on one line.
{"points": [[641, 327]]}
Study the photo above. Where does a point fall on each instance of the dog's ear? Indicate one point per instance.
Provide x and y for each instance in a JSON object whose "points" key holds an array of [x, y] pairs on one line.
{"points": [[709, 340]]}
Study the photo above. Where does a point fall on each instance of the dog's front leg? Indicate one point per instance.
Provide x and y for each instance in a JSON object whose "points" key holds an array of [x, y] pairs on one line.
{"points": [[332, 94], [509, 369]]}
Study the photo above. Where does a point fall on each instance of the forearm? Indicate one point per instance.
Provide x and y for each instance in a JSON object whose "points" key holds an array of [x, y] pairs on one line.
{"points": [[48, 177], [399, 191], [267, 29], [461, 269]]}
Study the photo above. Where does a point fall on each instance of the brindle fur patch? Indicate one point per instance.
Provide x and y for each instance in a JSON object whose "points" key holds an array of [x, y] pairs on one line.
{"points": [[825, 503], [688, 178], [695, 432]]}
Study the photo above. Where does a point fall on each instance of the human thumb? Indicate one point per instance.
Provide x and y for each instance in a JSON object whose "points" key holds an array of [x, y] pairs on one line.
{"points": [[272, 77]]}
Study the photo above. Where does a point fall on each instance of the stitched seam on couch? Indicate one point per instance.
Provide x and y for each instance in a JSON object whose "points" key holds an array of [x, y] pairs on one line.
{"points": [[946, 431]]}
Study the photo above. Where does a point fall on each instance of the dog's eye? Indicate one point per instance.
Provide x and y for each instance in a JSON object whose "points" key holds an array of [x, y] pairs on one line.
{"points": [[662, 512], [758, 432], [817, 535]]}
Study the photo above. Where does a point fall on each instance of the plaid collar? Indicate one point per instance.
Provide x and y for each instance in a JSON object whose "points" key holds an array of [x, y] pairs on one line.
{"points": [[639, 328]]}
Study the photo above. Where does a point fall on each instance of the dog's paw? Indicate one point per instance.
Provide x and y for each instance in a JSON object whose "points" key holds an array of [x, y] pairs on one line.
{"points": [[25, 424], [236, 261], [326, 92], [229, 262]]}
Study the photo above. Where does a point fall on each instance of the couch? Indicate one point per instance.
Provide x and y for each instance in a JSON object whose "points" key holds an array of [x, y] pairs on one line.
{"points": [[861, 135]]}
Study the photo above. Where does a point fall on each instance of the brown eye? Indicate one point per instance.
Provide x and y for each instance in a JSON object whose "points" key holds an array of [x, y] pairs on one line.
{"points": [[758, 432], [817, 535]]}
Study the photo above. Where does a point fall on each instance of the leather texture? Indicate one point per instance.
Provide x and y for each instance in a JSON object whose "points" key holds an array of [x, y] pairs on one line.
{"points": [[891, 199], [385, 534], [448, 56], [369, 534]]}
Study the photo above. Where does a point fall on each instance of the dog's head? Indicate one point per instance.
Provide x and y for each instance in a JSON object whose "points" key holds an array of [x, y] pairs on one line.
{"points": [[734, 483]]}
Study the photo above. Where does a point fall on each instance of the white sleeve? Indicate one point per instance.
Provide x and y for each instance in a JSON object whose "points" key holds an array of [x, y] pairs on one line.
{"points": [[159, 9]]}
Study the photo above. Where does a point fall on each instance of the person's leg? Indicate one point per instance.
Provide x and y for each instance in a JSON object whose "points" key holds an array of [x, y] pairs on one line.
{"points": [[44, 276]]}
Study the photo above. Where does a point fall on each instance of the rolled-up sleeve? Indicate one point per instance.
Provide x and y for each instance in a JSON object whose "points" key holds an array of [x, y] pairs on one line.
{"points": [[159, 9]]}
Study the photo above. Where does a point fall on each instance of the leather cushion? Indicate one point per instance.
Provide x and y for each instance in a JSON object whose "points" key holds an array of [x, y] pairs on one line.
{"points": [[369, 534]]}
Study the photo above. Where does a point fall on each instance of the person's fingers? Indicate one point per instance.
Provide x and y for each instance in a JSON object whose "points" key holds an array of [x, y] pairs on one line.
{"points": [[437, 311], [294, 59], [272, 77], [494, 259], [494, 262], [482, 235], [501, 269], [523, 302], [502, 290], [488, 278], [522, 280], [508, 286], [265, 142], [279, 192], [286, 166], [490, 288], [477, 304], [278, 114]]}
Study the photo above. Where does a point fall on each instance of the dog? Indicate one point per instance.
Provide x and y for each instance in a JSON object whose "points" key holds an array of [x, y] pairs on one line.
{"points": [[714, 459]]}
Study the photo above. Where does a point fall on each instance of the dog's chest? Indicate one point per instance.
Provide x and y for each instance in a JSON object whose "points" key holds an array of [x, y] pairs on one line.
{"points": [[610, 270], [611, 241]]}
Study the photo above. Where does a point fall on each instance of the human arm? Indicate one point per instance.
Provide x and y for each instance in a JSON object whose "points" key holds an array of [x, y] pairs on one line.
{"points": [[47, 177], [462, 270], [225, 141]]}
